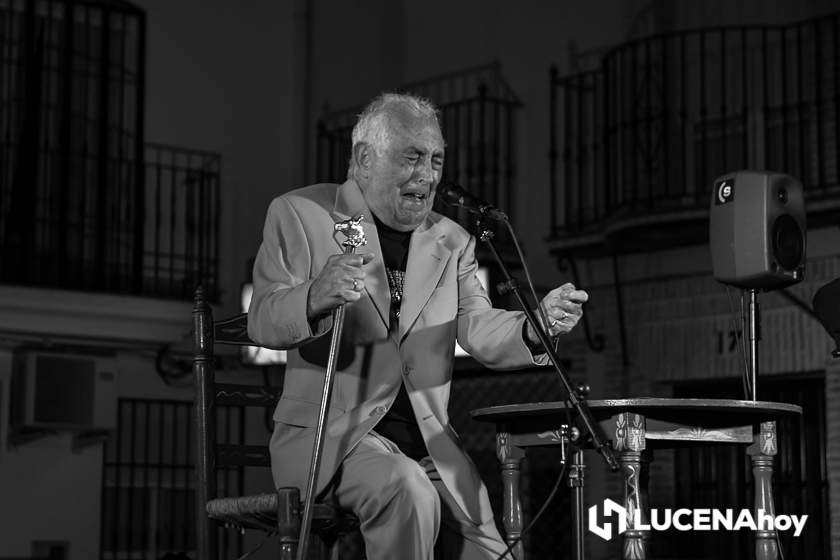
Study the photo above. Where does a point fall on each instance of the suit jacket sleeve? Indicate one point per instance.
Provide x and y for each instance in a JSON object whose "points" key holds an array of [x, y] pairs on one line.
{"points": [[491, 336], [282, 277]]}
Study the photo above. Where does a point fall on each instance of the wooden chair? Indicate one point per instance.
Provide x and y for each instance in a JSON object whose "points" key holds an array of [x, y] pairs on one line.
{"points": [[273, 512]]}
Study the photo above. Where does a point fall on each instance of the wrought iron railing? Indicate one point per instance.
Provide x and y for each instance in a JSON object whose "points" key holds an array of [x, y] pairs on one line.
{"points": [[181, 237], [477, 110], [661, 117], [84, 203]]}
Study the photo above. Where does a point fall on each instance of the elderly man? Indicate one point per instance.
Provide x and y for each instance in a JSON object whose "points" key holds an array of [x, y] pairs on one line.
{"points": [[390, 453]]}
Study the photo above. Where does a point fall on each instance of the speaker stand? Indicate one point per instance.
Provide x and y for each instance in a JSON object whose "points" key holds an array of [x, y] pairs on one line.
{"points": [[753, 326], [763, 449]]}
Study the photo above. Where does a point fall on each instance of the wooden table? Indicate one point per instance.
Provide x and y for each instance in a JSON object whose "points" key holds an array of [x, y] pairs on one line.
{"points": [[634, 426]]}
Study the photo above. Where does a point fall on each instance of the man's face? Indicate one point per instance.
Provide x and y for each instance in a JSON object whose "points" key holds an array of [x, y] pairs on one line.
{"points": [[400, 183]]}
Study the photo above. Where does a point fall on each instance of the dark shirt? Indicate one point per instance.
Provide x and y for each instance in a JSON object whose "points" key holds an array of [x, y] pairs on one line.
{"points": [[399, 423]]}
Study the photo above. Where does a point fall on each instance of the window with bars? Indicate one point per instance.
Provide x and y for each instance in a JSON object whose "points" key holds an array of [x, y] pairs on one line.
{"points": [[148, 483]]}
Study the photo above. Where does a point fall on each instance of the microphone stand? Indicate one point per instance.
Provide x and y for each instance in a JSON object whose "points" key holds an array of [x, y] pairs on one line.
{"points": [[575, 398]]}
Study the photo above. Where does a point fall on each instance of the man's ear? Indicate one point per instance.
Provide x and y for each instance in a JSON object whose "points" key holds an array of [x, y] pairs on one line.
{"points": [[362, 158]]}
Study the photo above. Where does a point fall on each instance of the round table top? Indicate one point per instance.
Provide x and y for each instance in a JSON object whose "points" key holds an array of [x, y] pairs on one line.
{"points": [[688, 411]]}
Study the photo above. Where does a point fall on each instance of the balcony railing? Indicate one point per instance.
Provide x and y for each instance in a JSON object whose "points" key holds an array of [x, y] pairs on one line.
{"points": [[181, 237], [160, 240], [649, 130], [477, 112]]}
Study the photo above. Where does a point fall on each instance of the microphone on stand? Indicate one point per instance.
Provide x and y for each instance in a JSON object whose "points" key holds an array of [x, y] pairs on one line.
{"points": [[454, 195]]}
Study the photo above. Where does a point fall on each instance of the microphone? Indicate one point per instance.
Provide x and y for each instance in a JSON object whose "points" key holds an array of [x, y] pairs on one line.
{"points": [[455, 195]]}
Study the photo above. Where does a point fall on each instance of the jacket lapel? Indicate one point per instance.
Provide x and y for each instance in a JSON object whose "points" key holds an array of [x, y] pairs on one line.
{"points": [[427, 258], [349, 202]]}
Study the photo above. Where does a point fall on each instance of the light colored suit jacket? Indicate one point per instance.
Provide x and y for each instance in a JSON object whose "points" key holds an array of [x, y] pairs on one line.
{"points": [[442, 299]]}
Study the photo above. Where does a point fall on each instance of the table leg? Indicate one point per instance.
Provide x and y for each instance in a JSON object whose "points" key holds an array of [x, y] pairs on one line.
{"points": [[762, 452], [510, 458], [630, 443]]}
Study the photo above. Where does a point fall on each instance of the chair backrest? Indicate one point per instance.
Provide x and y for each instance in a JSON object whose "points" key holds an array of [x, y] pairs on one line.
{"points": [[210, 455]]}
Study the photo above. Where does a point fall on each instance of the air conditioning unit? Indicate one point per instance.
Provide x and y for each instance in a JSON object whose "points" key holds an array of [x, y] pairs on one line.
{"points": [[57, 391]]}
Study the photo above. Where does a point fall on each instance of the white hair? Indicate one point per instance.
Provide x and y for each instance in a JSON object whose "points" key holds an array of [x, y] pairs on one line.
{"points": [[373, 128]]}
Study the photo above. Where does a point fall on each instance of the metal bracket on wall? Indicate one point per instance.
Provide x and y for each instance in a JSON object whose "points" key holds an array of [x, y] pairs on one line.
{"points": [[596, 342], [83, 440]]}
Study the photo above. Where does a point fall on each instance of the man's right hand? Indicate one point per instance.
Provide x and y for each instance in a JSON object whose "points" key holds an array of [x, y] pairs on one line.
{"points": [[342, 280]]}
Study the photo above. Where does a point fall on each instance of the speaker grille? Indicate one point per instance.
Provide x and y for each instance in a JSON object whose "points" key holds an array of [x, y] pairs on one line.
{"points": [[788, 245]]}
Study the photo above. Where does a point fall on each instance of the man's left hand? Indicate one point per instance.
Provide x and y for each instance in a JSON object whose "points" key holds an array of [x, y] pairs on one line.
{"points": [[563, 307]]}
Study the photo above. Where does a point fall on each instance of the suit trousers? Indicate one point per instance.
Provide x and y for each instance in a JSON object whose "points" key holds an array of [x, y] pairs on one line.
{"points": [[404, 509]]}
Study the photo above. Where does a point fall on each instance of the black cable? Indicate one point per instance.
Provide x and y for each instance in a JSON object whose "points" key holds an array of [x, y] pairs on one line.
{"points": [[779, 545], [540, 309], [174, 371], [542, 509], [744, 333], [745, 378], [251, 552], [776, 531], [544, 319]]}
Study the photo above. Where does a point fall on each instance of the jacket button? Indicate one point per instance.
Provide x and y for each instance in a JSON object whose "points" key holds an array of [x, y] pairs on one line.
{"points": [[407, 369], [378, 411]]}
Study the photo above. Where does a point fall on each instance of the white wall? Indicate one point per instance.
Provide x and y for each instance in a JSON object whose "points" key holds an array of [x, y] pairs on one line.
{"points": [[52, 493]]}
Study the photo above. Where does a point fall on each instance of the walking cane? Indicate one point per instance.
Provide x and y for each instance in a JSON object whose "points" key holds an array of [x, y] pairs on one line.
{"points": [[355, 237]]}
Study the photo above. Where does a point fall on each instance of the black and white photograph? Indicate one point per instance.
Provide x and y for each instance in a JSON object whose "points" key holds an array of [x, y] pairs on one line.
{"points": [[448, 280]]}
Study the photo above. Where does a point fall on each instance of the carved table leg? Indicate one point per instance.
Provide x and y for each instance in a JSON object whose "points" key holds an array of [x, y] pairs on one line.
{"points": [[762, 452], [630, 442], [510, 458]]}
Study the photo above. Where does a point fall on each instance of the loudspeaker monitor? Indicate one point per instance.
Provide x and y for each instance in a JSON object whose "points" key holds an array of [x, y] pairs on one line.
{"points": [[757, 230]]}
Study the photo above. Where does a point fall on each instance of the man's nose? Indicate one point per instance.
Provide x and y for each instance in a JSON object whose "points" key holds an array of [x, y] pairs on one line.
{"points": [[424, 171]]}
